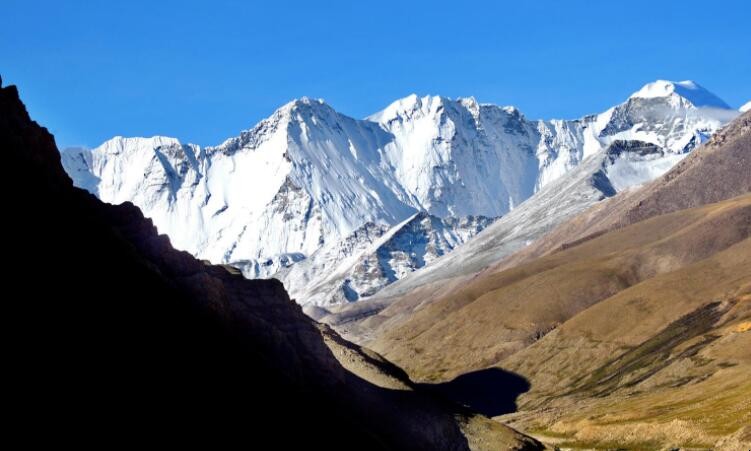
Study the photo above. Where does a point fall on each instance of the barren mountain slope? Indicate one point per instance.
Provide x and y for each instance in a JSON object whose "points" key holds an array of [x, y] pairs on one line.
{"points": [[640, 337], [663, 363], [497, 314]]}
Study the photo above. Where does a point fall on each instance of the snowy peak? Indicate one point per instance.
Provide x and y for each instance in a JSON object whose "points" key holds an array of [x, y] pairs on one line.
{"points": [[687, 89], [413, 107], [408, 107], [677, 116], [305, 101], [745, 107], [302, 110], [129, 169], [305, 108]]}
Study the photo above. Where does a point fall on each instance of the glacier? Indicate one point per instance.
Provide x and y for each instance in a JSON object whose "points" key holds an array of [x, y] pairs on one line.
{"points": [[316, 198]]}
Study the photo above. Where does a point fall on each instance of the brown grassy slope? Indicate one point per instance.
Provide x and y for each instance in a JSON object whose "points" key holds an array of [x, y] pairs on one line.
{"points": [[501, 313], [365, 321], [718, 170], [664, 362], [630, 318]]}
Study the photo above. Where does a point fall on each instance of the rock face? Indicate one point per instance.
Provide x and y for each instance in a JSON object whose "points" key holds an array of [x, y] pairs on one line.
{"points": [[375, 256], [127, 337], [309, 177]]}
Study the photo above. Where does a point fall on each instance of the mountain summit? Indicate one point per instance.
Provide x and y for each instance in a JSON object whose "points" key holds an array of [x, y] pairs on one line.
{"points": [[687, 90]]}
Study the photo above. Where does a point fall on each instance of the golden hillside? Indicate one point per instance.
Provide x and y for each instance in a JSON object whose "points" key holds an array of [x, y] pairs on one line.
{"points": [[652, 318]]}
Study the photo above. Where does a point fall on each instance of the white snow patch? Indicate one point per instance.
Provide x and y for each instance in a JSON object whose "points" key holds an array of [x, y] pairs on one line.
{"points": [[628, 172]]}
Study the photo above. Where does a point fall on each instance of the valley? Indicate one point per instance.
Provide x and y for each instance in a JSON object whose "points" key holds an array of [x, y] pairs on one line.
{"points": [[418, 226], [607, 306]]}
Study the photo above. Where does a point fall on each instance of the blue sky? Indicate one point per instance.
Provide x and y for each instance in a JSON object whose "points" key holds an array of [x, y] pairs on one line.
{"points": [[203, 71]]}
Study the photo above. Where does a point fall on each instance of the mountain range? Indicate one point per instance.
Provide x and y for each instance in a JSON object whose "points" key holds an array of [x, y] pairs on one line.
{"points": [[610, 308], [339, 208]]}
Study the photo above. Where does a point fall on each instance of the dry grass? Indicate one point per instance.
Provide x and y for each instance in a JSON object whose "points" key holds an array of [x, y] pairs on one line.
{"points": [[650, 344], [699, 416], [692, 400], [498, 314]]}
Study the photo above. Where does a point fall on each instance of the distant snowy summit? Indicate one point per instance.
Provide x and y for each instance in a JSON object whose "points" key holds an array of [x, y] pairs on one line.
{"points": [[746, 106], [681, 91], [306, 180]]}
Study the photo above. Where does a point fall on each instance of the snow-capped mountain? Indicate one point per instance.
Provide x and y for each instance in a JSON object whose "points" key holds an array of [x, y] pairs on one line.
{"points": [[746, 106], [681, 93], [309, 178]]}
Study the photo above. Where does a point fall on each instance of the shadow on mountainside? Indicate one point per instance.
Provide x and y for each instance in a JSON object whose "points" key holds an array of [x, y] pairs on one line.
{"points": [[491, 391]]}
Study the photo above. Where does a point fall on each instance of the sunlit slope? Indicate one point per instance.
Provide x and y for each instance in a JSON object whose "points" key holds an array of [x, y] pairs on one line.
{"points": [[497, 314]]}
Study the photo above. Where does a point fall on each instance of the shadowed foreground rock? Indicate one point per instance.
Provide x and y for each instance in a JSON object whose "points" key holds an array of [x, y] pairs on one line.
{"points": [[116, 338]]}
